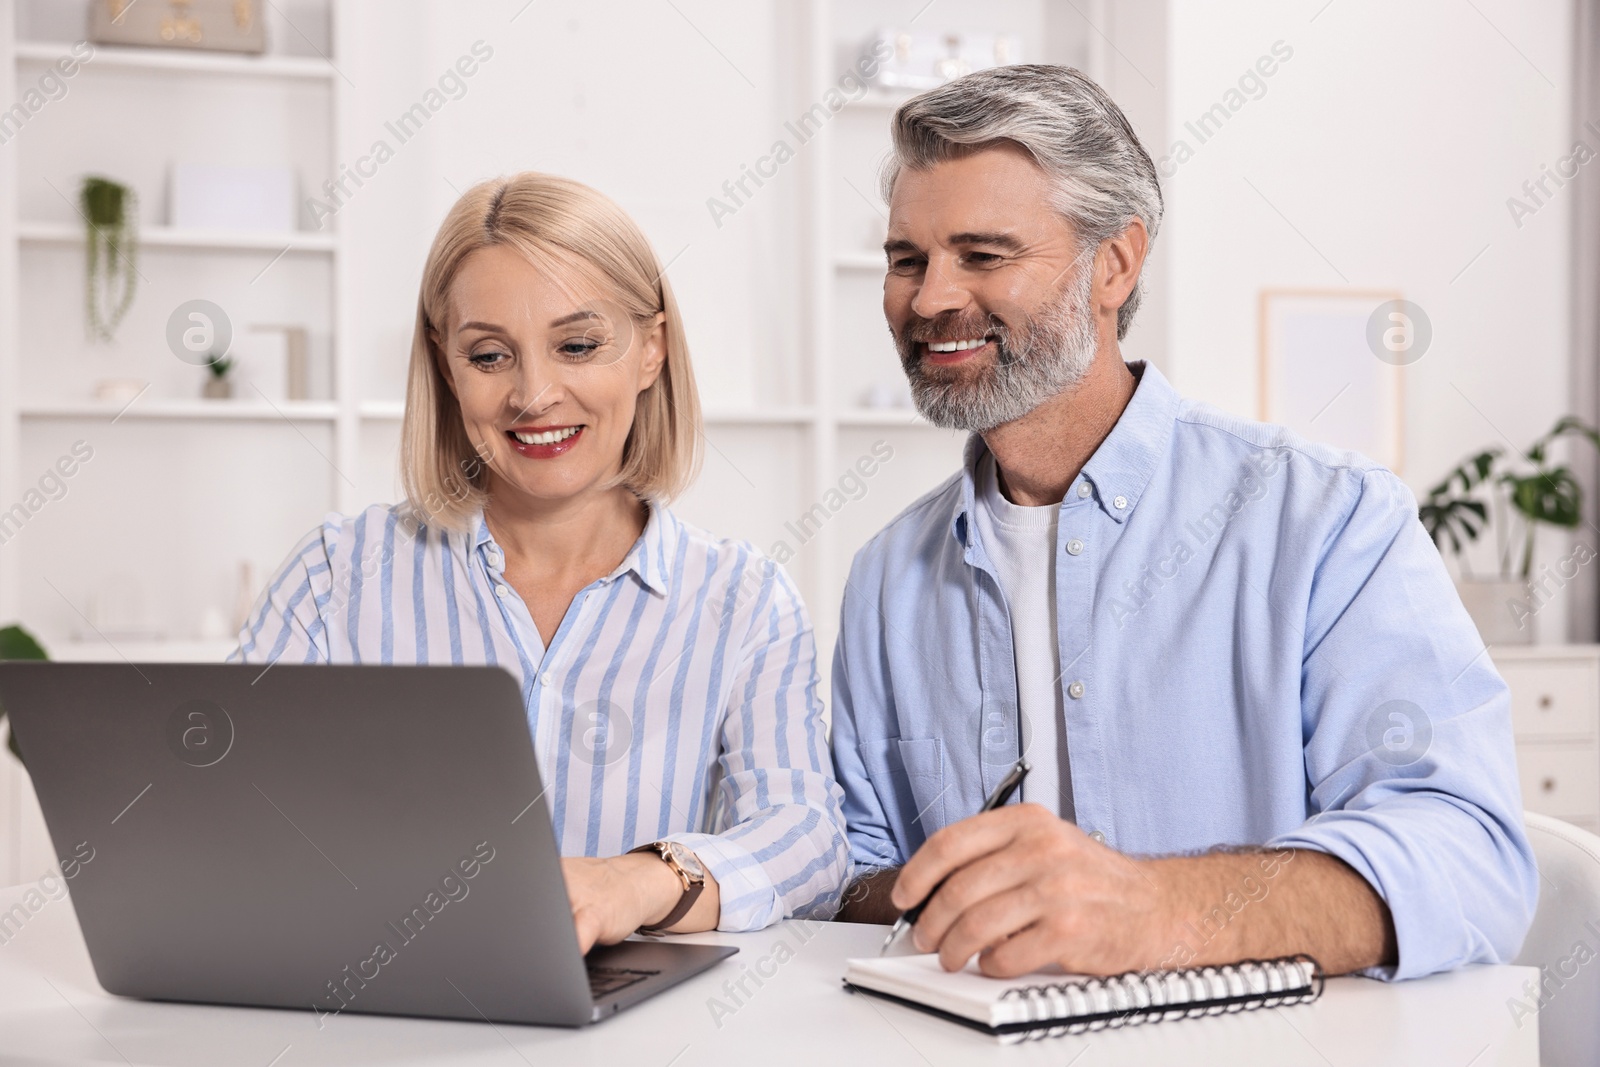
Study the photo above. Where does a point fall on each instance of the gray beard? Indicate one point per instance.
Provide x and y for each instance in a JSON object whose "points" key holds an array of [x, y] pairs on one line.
{"points": [[1049, 354]]}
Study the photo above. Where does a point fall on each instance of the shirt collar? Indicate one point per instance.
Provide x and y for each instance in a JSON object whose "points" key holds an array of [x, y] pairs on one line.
{"points": [[1120, 468], [648, 559]]}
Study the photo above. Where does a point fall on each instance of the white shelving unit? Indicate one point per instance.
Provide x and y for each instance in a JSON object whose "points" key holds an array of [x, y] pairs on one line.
{"points": [[168, 420]]}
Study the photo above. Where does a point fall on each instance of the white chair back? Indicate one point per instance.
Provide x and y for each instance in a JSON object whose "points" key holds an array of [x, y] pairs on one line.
{"points": [[1564, 943]]}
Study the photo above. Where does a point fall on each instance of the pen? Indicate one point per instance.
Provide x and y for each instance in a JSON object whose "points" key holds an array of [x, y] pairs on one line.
{"points": [[1001, 794]]}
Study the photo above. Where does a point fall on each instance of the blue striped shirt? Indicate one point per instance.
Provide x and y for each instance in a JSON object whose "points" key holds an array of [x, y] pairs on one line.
{"points": [[676, 701]]}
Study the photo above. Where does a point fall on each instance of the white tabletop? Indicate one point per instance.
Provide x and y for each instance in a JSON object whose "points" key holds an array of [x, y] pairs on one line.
{"points": [[53, 1012]]}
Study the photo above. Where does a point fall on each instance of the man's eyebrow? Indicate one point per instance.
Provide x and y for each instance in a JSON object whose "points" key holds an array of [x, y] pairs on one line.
{"points": [[1007, 241], [898, 244]]}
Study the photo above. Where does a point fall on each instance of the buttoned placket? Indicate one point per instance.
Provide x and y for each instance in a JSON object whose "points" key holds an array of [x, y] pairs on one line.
{"points": [[541, 691], [1078, 530]]}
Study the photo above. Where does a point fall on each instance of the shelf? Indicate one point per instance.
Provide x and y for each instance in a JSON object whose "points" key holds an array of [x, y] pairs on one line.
{"points": [[382, 409], [142, 650], [158, 409], [881, 417], [798, 416], [169, 237], [882, 99], [109, 57], [865, 261]]}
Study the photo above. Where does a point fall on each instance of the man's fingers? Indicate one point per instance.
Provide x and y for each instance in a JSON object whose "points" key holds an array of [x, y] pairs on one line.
{"points": [[958, 845], [988, 923], [1024, 952], [995, 874]]}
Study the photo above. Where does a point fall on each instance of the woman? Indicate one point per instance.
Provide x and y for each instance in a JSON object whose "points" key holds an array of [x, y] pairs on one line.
{"points": [[669, 675]]}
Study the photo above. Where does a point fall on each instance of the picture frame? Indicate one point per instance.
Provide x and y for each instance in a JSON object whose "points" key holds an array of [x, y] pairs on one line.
{"points": [[1318, 375]]}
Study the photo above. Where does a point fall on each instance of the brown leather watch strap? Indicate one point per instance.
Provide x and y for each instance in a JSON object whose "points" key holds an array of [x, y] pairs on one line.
{"points": [[690, 894]]}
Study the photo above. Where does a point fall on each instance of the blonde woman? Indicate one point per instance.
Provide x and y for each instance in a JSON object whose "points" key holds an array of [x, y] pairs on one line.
{"points": [[669, 675]]}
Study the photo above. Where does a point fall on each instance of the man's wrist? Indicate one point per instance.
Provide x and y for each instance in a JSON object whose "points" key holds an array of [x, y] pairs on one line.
{"points": [[659, 887]]}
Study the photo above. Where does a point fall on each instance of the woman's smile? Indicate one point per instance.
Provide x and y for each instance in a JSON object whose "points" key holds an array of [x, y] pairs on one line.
{"points": [[545, 442]]}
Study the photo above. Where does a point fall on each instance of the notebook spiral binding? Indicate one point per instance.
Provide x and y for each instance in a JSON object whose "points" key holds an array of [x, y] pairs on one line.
{"points": [[1146, 996]]}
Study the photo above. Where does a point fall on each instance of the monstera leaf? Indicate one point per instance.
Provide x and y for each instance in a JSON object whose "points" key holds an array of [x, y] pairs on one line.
{"points": [[17, 643]]}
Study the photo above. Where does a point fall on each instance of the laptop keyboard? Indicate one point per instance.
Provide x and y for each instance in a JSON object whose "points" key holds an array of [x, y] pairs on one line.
{"points": [[604, 981]]}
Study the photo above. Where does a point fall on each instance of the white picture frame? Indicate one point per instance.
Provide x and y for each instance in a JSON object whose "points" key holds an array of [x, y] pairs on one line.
{"points": [[1319, 376]]}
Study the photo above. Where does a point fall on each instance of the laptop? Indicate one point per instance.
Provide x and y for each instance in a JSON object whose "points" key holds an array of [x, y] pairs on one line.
{"points": [[338, 838]]}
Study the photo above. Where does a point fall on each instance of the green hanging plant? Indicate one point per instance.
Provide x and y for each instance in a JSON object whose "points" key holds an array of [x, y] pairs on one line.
{"points": [[17, 643], [110, 210]]}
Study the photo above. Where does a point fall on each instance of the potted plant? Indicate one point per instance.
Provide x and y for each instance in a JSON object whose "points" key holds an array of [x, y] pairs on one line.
{"points": [[218, 386], [1514, 494], [17, 643], [110, 211]]}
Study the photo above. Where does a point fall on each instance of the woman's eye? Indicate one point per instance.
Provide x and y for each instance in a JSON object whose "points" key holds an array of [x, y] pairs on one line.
{"points": [[578, 351], [486, 359]]}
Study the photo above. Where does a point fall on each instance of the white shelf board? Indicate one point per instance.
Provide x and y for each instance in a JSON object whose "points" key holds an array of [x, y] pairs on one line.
{"points": [[148, 409], [170, 237], [881, 99], [142, 650], [785, 416], [881, 417], [865, 261], [796, 416], [109, 57]]}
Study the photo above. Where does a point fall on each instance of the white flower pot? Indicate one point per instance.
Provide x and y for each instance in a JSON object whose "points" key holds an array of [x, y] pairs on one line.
{"points": [[1500, 608]]}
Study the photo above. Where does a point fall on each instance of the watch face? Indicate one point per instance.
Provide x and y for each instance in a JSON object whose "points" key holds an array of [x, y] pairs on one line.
{"points": [[687, 860]]}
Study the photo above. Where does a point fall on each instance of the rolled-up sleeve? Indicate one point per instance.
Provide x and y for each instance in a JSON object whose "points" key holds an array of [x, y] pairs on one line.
{"points": [[779, 851], [1408, 744]]}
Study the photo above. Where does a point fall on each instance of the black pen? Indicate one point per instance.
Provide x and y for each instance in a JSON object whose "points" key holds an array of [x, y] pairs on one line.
{"points": [[1001, 794]]}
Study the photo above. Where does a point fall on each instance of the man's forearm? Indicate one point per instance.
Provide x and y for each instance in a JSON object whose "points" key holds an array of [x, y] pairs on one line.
{"points": [[866, 900], [1232, 906]]}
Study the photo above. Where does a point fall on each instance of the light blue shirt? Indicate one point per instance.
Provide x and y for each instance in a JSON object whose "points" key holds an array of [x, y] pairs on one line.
{"points": [[1259, 646], [676, 701]]}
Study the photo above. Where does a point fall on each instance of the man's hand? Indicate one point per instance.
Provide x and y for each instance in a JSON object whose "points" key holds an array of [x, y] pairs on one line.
{"points": [[613, 897], [1029, 889]]}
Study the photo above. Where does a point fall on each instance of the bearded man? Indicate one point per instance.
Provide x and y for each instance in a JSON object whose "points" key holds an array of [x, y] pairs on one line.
{"points": [[1259, 720]]}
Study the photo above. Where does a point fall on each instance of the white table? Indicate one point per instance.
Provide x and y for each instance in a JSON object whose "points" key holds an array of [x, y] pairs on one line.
{"points": [[53, 1012]]}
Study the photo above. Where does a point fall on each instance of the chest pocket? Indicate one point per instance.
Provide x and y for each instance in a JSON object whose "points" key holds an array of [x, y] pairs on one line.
{"points": [[909, 778]]}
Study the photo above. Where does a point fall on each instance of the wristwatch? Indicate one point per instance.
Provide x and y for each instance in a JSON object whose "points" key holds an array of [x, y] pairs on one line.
{"points": [[690, 872]]}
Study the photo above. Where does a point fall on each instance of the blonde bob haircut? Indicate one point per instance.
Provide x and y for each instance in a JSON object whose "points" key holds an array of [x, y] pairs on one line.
{"points": [[563, 227]]}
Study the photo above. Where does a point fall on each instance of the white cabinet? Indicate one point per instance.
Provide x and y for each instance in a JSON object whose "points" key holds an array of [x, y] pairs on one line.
{"points": [[1555, 713]]}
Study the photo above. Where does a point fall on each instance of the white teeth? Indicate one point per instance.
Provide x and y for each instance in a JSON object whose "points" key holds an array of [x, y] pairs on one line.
{"points": [[549, 437], [956, 346]]}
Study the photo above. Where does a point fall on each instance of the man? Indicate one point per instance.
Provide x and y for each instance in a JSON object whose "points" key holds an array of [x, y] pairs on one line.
{"points": [[1259, 720]]}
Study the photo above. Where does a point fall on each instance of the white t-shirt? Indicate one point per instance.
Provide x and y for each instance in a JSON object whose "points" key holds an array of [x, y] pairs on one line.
{"points": [[1021, 542]]}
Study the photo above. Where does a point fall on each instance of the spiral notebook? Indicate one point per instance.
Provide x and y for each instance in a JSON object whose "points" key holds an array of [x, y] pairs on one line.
{"points": [[1049, 1005]]}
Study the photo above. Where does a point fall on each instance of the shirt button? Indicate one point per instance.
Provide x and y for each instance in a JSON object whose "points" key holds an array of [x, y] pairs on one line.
{"points": [[545, 678], [1119, 502], [1074, 547], [1083, 489], [1075, 690], [1096, 835], [501, 591]]}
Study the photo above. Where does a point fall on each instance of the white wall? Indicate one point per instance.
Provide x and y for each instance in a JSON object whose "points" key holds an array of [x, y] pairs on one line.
{"points": [[1391, 141]]}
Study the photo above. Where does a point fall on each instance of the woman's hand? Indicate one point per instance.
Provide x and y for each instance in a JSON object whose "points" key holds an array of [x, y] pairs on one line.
{"points": [[613, 897]]}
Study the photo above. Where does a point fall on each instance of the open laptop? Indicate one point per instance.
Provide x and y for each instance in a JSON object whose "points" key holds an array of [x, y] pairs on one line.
{"points": [[341, 838]]}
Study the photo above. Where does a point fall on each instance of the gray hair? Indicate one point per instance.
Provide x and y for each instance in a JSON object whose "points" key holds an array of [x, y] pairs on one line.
{"points": [[1103, 176]]}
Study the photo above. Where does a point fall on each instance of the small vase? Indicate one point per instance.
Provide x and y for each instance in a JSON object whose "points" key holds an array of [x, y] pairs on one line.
{"points": [[217, 389], [1500, 608]]}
